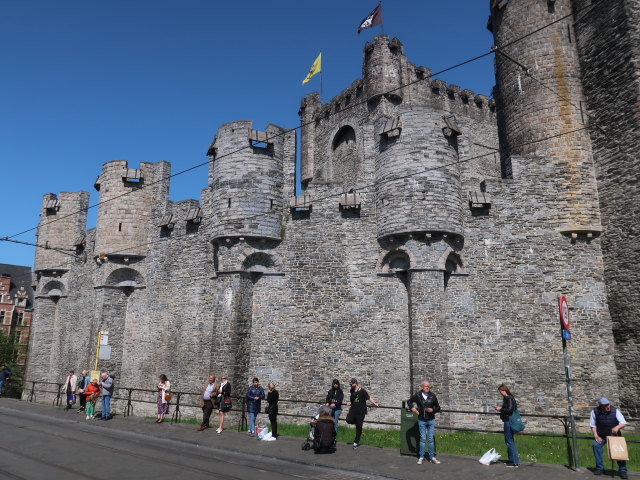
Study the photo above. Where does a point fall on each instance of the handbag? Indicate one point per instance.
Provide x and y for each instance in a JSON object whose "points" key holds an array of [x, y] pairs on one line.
{"points": [[226, 404], [617, 448], [167, 397], [517, 425], [267, 409], [489, 457]]}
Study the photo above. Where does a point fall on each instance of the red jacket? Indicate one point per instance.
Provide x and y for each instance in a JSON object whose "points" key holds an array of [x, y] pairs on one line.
{"points": [[90, 390]]}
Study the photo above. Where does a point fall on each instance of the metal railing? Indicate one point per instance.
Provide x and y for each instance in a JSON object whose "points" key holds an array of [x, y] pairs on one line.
{"points": [[178, 402]]}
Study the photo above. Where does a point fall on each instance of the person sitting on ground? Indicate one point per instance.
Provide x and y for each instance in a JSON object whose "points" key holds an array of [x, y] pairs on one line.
{"points": [[324, 433]]}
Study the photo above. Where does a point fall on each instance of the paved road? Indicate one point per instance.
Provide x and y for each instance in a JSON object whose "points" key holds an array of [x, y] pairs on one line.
{"points": [[43, 442], [34, 447]]}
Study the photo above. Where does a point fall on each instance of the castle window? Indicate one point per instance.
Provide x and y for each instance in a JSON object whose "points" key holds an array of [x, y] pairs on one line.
{"points": [[52, 206], [167, 222], [131, 175], [228, 203], [344, 168], [479, 200], [2, 315], [260, 139], [120, 227], [302, 202], [271, 204], [451, 128]]}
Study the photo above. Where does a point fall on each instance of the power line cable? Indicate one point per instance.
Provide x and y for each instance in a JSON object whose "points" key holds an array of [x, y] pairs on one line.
{"points": [[302, 125]]}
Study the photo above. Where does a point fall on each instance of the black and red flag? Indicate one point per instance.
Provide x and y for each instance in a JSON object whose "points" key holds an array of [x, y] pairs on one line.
{"points": [[372, 20]]}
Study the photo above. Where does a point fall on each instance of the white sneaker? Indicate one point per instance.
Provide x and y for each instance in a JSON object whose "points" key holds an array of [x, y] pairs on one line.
{"points": [[356, 445], [420, 460], [218, 430], [435, 460], [88, 417]]}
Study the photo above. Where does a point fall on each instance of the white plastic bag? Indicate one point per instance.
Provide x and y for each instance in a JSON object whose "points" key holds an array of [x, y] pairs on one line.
{"points": [[268, 437], [490, 457], [263, 431]]}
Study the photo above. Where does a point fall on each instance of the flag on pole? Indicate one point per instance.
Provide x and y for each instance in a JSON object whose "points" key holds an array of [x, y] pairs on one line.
{"points": [[371, 20], [315, 68]]}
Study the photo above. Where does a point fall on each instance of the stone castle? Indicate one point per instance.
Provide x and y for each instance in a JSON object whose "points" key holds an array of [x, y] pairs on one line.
{"points": [[433, 235]]}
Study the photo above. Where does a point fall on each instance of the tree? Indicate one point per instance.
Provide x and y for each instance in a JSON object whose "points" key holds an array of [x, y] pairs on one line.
{"points": [[9, 350]]}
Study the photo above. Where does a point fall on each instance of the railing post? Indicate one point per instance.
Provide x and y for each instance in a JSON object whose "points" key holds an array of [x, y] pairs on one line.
{"points": [[32, 392], [127, 411], [56, 402], [243, 418], [175, 418]]}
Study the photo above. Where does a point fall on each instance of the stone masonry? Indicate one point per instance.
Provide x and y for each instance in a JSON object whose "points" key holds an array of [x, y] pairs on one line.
{"points": [[434, 232]]}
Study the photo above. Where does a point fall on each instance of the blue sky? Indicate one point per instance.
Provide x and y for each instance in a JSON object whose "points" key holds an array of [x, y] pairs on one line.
{"points": [[85, 82]]}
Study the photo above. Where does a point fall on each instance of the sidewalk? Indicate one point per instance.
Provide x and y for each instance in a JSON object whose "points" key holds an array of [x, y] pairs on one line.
{"points": [[381, 462]]}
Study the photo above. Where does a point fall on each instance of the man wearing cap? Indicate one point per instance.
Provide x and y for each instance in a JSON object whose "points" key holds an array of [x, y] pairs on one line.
{"points": [[606, 421], [358, 410]]}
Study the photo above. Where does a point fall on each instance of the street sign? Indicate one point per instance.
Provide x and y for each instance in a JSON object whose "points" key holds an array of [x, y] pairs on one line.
{"points": [[104, 338], [95, 375], [564, 313], [105, 352]]}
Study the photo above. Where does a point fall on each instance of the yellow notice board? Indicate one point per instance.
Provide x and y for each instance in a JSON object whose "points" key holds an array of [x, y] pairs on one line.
{"points": [[95, 375]]}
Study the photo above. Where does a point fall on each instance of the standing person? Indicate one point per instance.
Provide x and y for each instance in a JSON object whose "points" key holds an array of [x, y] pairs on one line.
{"points": [[5, 375], [358, 410], [606, 421], [506, 410], [83, 381], [224, 401], [424, 403], [106, 390], [91, 394], [209, 392], [164, 387], [69, 388], [272, 407], [255, 393], [335, 397]]}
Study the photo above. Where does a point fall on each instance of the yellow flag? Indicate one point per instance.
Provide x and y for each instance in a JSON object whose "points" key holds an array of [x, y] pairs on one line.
{"points": [[315, 68]]}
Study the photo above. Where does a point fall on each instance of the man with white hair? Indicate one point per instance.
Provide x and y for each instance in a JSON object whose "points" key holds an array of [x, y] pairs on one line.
{"points": [[106, 390], [606, 421], [424, 403]]}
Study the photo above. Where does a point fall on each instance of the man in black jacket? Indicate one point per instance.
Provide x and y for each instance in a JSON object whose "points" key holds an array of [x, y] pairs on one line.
{"points": [[425, 404]]}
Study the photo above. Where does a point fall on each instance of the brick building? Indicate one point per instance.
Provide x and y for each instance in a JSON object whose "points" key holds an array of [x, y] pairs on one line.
{"points": [[16, 306], [434, 232]]}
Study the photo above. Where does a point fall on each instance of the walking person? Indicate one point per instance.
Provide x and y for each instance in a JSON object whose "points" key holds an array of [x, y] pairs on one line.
{"points": [[509, 405], [106, 390], [209, 392], [272, 407], [69, 388], [91, 394], [606, 421], [358, 403], [335, 397], [224, 401], [424, 403], [163, 398], [255, 393], [5, 375], [83, 381]]}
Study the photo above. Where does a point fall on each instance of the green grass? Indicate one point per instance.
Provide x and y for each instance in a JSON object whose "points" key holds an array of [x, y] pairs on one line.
{"points": [[530, 449]]}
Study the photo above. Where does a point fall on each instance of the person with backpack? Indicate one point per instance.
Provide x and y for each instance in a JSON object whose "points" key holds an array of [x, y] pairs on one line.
{"points": [[324, 433], [335, 397], [509, 405]]}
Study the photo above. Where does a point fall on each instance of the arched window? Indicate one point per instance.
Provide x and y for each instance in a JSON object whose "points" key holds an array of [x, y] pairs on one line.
{"points": [[344, 159]]}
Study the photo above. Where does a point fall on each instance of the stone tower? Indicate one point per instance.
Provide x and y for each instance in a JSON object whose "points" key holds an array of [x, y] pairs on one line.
{"points": [[127, 197], [62, 224], [545, 101]]}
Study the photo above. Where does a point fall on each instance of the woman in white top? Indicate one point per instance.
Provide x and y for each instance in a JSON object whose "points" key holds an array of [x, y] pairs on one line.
{"points": [[163, 398]]}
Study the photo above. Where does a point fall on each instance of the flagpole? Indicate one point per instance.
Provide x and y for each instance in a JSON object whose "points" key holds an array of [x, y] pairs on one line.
{"points": [[381, 28], [321, 77]]}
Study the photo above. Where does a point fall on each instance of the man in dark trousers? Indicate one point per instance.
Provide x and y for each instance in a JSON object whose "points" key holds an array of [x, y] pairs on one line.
{"points": [[358, 403], [606, 421], [424, 403], [209, 392], [5, 374]]}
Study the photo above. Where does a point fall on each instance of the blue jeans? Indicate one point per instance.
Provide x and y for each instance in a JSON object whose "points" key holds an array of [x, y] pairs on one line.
{"points": [[512, 451], [106, 406], [336, 417], [1, 385], [252, 421], [426, 428], [597, 452]]}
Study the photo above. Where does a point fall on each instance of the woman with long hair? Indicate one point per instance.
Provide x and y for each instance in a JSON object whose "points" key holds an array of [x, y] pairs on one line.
{"points": [[224, 401], [509, 405], [164, 387]]}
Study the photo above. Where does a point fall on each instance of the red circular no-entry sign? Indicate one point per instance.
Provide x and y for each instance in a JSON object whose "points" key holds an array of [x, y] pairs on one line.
{"points": [[564, 312]]}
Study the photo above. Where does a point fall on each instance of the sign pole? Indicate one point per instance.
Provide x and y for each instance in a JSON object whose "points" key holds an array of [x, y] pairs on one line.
{"points": [[566, 335], [95, 366]]}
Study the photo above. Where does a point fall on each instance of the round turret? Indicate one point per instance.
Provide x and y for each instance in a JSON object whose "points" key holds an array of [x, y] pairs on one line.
{"points": [[417, 177], [383, 68], [246, 179], [542, 108]]}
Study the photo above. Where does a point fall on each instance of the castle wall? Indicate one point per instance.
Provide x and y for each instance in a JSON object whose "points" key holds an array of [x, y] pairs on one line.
{"points": [[608, 40]]}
